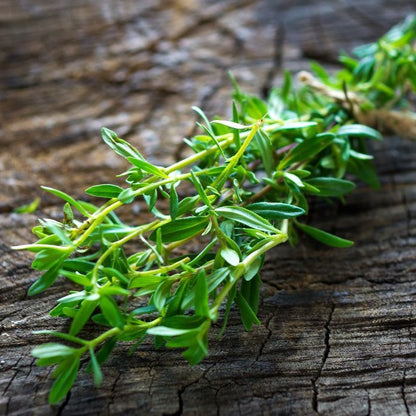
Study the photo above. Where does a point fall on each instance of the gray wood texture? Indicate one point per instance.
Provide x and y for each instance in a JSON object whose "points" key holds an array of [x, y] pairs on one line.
{"points": [[338, 326]]}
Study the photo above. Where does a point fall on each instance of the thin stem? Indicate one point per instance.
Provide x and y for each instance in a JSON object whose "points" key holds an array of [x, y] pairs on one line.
{"points": [[114, 246], [220, 180], [240, 270], [117, 331]]}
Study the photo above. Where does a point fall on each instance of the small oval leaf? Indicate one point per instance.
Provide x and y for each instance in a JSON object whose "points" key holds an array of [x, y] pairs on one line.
{"points": [[276, 210], [181, 228], [104, 191], [359, 130], [330, 186], [324, 237], [244, 216]]}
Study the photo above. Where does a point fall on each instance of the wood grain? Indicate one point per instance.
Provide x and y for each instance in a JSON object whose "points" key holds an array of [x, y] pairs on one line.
{"points": [[338, 326]]}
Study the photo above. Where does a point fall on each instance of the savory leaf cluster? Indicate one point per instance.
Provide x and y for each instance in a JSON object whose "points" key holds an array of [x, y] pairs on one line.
{"points": [[244, 190]]}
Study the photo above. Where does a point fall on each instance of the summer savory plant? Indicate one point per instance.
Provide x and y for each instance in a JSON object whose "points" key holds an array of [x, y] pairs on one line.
{"points": [[243, 191]]}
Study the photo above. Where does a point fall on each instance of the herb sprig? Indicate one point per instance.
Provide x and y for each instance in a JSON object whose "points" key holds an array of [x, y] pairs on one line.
{"points": [[244, 191]]}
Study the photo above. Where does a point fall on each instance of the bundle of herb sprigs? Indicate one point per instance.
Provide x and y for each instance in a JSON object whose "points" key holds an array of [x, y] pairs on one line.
{"points": [[247, 185]]}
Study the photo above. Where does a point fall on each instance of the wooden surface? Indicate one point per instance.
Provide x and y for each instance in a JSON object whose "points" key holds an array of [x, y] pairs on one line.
{"points": [[338, 326]]}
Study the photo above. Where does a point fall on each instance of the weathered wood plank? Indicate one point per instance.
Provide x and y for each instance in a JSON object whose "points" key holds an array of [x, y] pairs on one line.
{"points": [[338, 327]]}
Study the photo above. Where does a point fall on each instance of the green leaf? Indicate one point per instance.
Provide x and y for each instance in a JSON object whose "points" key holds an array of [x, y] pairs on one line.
{"points": [[275, 104], [250, 289], [255, 107], [295, 125], [68, 214], [76, 277], [68, 199], [162, 293], [113, 291], [287, 86], [104, 352], [231, 124], [151, 198], [175, 307], [119, 146], [364, 170], [236, 133], [52, 349], [231, 243], [173, 202], [325, 237], [178, 325], [47, 279], [148, 281], [262, 141], [186, 204], [82, 316], [358, 155], [96, 370], [198, 186], [359, 130], [205, 119], [111, 312], [45, 258], [47, 361], [307, 149], [202, 254], [217, 277], [276, 210], [330, 186], [248, 317], [28, 208], [78, 265], [127, 196], [166, 331], [57, 229], [181, 229], [65, 380], [61, 335], [294, 179], [104, 191], [197, 351], [229, 304], [230, 256], [244, 216], [183, 340], [320, 71], [253, 269], [112, 273], [213, 137], [73, 296], [184, 321], [201, 294], [147, 167]]}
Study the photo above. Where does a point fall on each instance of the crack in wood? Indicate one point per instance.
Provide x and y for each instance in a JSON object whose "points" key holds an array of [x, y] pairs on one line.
{"points": [[383, 255], [63, 404], [268, 336], [325, 355], [17, 370], [182, 390], [403, 392], [368, 403], [113, 389]]}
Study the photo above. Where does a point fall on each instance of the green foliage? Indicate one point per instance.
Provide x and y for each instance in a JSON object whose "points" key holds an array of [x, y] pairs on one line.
{"points": [[250, 179], [383, 72]]}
